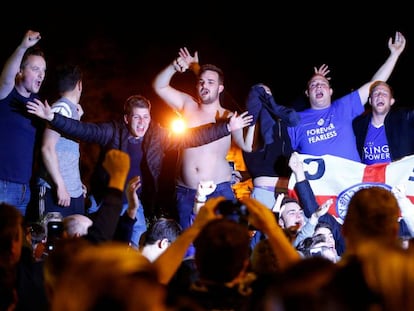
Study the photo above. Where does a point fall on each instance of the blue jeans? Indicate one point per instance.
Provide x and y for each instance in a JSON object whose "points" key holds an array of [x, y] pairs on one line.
{"points": [[186, 197], [15, 194], [268, 198], [185, 204], [77, 205], [139, 227]]}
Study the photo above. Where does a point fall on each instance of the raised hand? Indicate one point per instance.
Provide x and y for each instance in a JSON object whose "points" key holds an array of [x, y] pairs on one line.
{"points": [[186, 56], [323, 71], [278, 203], [399, 43], [238, 122], [131, 192], [30, 39], [117, 164], [323, 208]]}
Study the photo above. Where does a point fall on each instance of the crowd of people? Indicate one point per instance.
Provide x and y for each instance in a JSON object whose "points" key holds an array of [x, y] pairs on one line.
{"points": [[263, 251]]}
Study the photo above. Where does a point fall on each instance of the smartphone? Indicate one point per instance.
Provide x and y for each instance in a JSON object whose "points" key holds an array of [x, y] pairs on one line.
{"points": [[54, 233]]}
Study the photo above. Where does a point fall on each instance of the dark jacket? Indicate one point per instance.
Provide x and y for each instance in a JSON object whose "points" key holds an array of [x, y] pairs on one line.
{"points": [[157, 141], [272, 158], [399, 128]]}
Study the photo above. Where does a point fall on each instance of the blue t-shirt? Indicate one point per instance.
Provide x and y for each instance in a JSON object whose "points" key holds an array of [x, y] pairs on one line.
{"points": [[376, 148], [17, 138], [329, 130]]}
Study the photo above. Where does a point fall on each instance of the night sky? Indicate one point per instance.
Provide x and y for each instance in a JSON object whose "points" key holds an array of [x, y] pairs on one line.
{"points": [[121, 48]]}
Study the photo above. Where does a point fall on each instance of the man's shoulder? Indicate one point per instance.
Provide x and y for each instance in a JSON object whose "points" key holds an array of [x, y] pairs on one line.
{"points": [[62, 108]]}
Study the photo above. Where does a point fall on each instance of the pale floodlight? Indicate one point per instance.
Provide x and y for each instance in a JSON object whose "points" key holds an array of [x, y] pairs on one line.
{"points": [[178, 126]]}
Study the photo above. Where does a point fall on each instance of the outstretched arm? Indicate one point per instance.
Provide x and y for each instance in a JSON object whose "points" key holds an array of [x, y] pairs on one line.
{"points": [[117, 164], [384, 72], [12, 66], [162, 82]]}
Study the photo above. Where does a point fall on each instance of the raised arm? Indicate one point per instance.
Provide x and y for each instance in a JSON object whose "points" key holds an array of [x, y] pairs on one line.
{"points": [[162, 82], [12, 65], [384, 72], [117, 164], [99, 133]]}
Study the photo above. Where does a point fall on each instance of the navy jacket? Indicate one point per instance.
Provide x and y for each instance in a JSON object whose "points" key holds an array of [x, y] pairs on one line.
{"points": [[273, 119], [157, 141]]}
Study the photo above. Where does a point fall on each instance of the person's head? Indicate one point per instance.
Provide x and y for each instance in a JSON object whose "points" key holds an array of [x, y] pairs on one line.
{"points": [[68, 78], [57, 261], [325, 229], [11, 234], [210, 83], [381, 97], [319, 92], [32, 72], [322, 247], [110, 276], [76, 225], [222, 251], [291, 214], [263, 259], [158, 237], [372, 216], [137, 115]]}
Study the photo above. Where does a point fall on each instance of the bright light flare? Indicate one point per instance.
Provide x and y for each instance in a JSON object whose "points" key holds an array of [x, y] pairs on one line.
{"points": [[178, 126]]}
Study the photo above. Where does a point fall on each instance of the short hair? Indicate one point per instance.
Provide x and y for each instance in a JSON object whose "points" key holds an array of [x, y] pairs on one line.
{"points": [[67, 76], [32, 51], [136, 101], [77, 224], [285, 201], [320, 75], [263, 259], [162, 228], [221, 249], [378, 83], [214, 68], [323, 224], [372, 213], [109, 274]]}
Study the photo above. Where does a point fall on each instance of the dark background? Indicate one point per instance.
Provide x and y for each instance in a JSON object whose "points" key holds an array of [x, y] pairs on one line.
{"points": [[121, 47]]}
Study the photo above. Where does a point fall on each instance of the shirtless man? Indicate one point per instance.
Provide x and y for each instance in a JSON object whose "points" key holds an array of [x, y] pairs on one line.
{"points": [[207, 162]]}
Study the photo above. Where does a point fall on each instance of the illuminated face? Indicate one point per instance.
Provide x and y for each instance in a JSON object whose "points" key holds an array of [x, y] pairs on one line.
{"points": [[319, 92], [329, 238], [208, 87], [292, 215], [381, 99], [138, 121], [32, 75]]}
